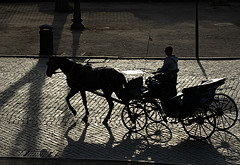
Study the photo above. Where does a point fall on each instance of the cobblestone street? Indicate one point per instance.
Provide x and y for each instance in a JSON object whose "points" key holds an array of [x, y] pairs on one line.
{"points": [[36, 122]]}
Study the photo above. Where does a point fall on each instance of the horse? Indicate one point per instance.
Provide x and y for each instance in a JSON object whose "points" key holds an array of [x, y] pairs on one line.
{"points": [[85, 78]]}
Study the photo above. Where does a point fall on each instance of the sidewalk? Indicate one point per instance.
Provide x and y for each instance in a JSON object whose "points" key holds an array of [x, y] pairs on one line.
{"points": [[122, 29], [35, 122]]}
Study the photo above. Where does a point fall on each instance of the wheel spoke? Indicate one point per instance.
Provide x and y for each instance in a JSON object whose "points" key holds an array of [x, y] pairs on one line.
{"points": [[225, 110], [134, 117]]}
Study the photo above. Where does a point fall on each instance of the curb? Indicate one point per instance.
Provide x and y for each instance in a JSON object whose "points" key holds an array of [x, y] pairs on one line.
{"points": [[122, 58], [26, 161]]}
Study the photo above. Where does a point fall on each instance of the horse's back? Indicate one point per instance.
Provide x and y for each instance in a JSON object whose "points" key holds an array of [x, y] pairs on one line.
{"points": [[99, 78], [110, 75]]}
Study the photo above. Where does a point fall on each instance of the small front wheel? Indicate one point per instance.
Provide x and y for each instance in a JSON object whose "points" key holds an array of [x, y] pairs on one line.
{"points": [[201, 124], [134, 116], [154, 110]]}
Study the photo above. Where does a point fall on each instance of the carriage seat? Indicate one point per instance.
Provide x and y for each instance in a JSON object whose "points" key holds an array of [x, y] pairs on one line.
{"points": [[135, 87], [204, 86]]}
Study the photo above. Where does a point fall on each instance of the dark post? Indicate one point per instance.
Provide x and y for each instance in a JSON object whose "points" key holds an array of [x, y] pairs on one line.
{"points": [[61, 5], [77, 20], [197, 32], [220, 2], [46, 40]]}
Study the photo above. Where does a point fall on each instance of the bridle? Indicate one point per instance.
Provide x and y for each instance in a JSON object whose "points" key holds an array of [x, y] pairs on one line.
{"points": [[51, 67]]}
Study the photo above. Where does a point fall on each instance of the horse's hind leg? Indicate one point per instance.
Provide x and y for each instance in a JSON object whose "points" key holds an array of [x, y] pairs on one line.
{"points": [[110, 103], [85, 118], [70, 95]]}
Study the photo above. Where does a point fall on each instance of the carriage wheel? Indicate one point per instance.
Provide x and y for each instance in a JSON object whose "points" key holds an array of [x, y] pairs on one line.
{"points": [[201, 125], [225, 111], [158, 132], [154, 110], [134, 116]]}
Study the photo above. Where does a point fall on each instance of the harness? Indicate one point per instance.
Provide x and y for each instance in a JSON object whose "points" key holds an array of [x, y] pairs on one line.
{"points": [[69, 73], [52, 69], [77, 83]]}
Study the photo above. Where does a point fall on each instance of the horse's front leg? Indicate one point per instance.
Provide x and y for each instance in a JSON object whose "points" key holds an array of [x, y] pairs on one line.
{"points": [[110, 103], [70, 95], [85, 118]]}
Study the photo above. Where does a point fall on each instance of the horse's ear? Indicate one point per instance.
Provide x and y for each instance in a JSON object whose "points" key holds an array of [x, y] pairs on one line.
{"points": [[51, 56]]}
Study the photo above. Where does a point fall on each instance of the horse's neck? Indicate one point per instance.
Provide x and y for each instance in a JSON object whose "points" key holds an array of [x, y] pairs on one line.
{"points": [[66, 66]]}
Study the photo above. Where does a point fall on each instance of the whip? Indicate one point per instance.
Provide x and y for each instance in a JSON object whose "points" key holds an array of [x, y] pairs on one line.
{"points": [[145, 59]]}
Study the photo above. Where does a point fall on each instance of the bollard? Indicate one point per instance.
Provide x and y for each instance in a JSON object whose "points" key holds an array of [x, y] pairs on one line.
{"points": [[46, 40], [61, 5]]}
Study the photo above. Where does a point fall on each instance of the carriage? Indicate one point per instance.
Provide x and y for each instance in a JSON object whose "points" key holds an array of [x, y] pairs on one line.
{"points": [[199, 109]]}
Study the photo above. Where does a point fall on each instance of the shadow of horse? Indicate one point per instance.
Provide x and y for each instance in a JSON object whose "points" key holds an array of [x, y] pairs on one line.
{"points": [[85, 78], [113, 149], [137, 147]]}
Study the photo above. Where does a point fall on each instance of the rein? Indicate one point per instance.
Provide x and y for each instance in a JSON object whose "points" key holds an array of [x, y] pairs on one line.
{"points": [[69, 73]]}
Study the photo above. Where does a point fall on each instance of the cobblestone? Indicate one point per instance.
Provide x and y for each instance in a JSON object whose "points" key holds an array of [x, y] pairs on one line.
{"points": [[36, 123]]}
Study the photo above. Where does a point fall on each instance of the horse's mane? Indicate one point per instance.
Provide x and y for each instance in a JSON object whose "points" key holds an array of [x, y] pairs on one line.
{"points": [[67, 62]]}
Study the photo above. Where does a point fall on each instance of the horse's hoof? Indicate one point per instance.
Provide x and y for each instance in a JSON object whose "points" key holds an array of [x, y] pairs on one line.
{"points": [[74, 112], [105, 122]]}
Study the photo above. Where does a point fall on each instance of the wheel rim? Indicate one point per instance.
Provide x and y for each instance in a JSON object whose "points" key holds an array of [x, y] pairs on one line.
{"points": [[134, 117], [225, 110], [201, 125], [154, 111]]}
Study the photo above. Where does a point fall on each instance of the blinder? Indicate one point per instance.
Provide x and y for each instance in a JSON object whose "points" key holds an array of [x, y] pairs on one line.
{"points": [[51, 67]]}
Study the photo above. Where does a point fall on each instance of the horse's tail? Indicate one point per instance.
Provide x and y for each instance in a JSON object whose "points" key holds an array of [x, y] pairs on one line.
{"points": [[123, 80], [120, 91]]}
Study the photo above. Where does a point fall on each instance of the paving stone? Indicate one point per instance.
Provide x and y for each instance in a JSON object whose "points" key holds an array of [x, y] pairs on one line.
{"points": [[35, 120]]}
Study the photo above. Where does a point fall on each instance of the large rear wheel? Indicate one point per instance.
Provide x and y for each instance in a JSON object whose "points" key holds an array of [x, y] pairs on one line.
{"points": [[225, 111]]}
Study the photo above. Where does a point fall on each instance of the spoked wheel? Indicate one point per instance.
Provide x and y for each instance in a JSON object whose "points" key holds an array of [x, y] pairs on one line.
{"points": [[154, 110], [201, 124], [159, 132], [225, 111], [134, 116]]}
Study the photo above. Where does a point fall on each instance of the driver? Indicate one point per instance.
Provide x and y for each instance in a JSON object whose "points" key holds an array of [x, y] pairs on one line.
{"points": [[170, 65]]}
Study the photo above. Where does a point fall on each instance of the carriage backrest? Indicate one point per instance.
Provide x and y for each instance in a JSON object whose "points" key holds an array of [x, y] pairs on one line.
{"points": [[202, 93], [205, 86]]}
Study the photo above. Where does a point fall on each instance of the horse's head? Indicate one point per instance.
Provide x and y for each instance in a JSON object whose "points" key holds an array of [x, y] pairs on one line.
{"points": [[52, 66]]}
